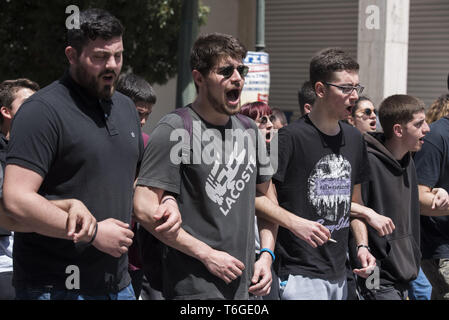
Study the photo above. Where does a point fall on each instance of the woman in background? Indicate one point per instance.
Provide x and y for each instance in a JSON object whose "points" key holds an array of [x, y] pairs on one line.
{"points": [[262, 115], [363, 115], [438, 109]]}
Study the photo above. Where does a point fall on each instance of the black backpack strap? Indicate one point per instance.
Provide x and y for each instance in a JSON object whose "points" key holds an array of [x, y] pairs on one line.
{"points": [[184, 113], [186, 117]]}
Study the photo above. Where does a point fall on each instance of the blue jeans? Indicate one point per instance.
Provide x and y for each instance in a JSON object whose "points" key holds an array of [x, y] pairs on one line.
{"points": [[57, 294], [420, 288], [437, 271]]}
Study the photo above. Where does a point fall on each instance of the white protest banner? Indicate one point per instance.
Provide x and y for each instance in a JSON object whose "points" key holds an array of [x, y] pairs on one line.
{"points": [[257, 82]]}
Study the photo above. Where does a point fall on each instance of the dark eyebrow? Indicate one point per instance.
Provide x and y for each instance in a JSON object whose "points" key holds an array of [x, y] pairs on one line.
{"points": [[107, 51], [420, 122], [349, 85]]}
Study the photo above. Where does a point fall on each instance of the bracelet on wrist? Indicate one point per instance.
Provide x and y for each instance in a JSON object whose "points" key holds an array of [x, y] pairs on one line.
{"points": [[94, 236], [167, 198], [363, 246], [269, 251]]}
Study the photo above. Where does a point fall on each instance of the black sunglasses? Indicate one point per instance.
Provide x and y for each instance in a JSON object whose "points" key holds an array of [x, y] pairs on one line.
{"points": [[368, 111], [264, 119], [228, 71]]}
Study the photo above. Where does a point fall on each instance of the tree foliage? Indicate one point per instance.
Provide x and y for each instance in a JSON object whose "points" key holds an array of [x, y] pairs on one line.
{"points": [[33, 36]]}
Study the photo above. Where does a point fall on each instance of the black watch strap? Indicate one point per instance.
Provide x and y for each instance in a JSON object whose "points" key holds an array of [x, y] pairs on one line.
{"points": [[363, 246]]}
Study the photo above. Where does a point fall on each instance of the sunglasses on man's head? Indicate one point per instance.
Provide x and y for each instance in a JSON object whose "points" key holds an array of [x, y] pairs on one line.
{"points": [[228, 71], [264, 119]]}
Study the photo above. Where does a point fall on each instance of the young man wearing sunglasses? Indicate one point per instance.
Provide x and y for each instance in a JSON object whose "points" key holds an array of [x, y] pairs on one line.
{"points": [[212, 255], [322, 163]]}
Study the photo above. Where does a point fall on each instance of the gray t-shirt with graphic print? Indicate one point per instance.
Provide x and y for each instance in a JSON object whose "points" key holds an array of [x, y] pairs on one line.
{"points": [[215, 186]]}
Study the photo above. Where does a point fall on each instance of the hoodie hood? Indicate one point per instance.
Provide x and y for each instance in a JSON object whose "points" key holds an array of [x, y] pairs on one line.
{"points": [[375, 145]]}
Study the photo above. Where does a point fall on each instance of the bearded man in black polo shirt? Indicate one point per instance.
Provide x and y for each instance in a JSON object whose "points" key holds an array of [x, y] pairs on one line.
{"points": [[76, 138]]}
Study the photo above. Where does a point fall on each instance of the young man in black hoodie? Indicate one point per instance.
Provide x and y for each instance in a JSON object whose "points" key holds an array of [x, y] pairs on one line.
{"points": [[393, 192]]}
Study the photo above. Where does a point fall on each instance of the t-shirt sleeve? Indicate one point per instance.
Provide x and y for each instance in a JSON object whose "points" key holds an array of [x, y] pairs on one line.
{"points": [[428, 163], [34, 137], [162, 158], [264, 160], [283, 155]]}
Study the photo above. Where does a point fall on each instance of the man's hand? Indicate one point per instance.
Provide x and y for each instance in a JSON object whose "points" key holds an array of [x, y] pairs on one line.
{"points": [[440, 200], [113, 237], [80, 222], [368, 262], [262, 279], [311, 232], [383, 225], [223, 265], [168, 218]]}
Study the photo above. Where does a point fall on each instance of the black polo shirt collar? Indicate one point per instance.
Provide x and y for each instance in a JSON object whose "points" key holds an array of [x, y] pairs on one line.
{"points": [[90, 101]]}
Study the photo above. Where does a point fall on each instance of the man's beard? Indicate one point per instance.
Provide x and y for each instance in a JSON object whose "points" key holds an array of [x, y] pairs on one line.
{"points": [[92, 83], [220, 107]]}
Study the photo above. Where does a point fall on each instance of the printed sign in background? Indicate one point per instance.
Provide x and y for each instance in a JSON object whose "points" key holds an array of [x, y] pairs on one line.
{"points": [[257, 82]]}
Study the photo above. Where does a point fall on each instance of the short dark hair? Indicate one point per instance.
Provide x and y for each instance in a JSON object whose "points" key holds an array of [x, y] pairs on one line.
{"points": [[328, 61], [398, 109], [136, 88], [280, 115], [94, 23], [357, 104], [9, 88], [209, 48], [306, 95]]}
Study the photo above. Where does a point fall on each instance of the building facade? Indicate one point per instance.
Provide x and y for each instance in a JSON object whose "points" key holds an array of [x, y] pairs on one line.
{"points": [[402, 45]]}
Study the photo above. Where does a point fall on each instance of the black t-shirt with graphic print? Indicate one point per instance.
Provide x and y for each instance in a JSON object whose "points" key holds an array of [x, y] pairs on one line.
{"points": [[215, 188], [315, 179]]}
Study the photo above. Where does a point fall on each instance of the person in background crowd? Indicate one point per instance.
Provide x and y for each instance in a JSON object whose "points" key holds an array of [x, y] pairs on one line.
{"points": [[432, 168], [363, 115], [144, 97], [420, 288], [12, 94], [306, 98], [280, 120], [438, 109], [263, 116]]}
